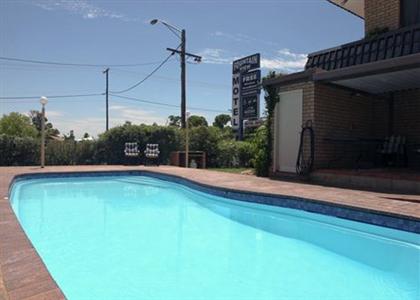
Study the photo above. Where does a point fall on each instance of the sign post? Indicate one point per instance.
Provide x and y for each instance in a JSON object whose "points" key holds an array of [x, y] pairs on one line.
{"points": [[246, 78]]}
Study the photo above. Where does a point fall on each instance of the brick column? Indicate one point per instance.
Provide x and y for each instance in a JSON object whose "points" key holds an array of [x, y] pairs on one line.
{"points": [[382, 13]]}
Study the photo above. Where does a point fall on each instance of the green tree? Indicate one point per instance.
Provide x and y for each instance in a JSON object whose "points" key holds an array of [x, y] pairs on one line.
{"points": [[18, 125], [86, 135], [221, 120], [174, 121], [196, 121], [50, 131], [70, 137]]}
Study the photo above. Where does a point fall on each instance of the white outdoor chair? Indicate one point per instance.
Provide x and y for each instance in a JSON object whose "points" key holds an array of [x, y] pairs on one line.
{"points": [[152, 153], [131, 152]]}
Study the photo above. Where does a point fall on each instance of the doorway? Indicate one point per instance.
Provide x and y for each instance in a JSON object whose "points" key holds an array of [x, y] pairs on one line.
{"points": [[288, 125]]}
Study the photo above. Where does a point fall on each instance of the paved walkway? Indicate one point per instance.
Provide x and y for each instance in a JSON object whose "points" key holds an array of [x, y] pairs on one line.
{"points": [[24, 276]]}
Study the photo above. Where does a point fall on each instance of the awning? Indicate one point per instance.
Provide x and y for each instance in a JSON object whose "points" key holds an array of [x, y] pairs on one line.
{"points": [[379, 77], [356, 7]]}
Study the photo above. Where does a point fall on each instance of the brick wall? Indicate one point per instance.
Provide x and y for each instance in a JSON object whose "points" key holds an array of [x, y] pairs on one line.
{"points": [[340, 114], [407, 121], [382, 13], [381, 117]]}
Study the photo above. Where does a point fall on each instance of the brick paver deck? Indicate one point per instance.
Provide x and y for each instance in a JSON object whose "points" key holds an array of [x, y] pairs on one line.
{"points": [[24, 276]]}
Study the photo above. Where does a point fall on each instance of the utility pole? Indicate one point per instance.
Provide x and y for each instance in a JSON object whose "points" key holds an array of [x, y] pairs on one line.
{"points": [[183, 76], [106, 98], [181, 34], [183, 54]]}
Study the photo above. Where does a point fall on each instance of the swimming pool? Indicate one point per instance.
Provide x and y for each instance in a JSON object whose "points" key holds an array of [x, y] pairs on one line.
{"points": [[138, 237]]}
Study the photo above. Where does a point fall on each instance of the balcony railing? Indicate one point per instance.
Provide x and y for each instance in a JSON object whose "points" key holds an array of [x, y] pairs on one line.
{"points": [[401, 42]]}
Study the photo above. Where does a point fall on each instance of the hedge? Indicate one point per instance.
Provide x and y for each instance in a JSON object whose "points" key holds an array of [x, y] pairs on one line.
{"points": [[219, 144], [18, 151]]}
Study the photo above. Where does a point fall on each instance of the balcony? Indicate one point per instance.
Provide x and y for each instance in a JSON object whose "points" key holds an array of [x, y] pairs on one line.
{"points": [[393, 44]]}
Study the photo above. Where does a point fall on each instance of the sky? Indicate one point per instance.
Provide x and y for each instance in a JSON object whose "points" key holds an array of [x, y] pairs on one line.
{"points": [[109, 33]]}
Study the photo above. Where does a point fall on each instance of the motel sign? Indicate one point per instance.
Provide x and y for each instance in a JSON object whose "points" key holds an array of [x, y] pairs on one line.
{"points": [[246, 78]]}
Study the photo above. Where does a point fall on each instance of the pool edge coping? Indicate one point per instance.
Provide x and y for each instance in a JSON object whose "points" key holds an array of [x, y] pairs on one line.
{"points": [[49, 281]]}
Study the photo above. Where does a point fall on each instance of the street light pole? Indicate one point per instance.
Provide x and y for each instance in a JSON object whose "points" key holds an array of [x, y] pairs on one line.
{"points": [[181, 34], [43, 102]]}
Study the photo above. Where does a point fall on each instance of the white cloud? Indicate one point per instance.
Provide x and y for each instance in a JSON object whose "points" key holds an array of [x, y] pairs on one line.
{"points": [[215, 56], [229, 36], [240, 37], [284, 60], [82, 8], [53, 113]]}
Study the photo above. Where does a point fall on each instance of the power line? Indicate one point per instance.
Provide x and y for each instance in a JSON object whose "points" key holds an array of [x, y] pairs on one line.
{"points": [[32, 99], [75, 64], [53, 96], [220, 86], [147, 77], [167, 104]]}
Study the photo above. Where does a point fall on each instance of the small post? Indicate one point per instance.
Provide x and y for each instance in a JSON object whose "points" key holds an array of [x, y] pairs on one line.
{"points": [[43, 101], [187, 140], [106, 71]]}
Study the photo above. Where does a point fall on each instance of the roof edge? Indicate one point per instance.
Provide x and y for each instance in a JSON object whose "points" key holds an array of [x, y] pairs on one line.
{"points": [[291, 78], [346, 9]]}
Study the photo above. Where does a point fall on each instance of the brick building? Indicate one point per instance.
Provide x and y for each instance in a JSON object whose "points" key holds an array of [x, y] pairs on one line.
{"points": [[356, 95]]}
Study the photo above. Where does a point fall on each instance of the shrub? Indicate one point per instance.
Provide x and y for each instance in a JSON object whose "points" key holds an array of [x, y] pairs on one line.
{"points": [[219, 144], [227, 153], [208, 139], [61, 153], [85, 153], [16, 151], [246, 153], [111, 144], [262, 152]]}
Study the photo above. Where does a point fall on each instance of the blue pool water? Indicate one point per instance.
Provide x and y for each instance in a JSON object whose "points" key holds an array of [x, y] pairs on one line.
{"points": [[136, 237]]}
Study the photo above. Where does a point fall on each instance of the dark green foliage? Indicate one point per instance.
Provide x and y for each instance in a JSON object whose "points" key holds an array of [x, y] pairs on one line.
{"points": [[195, 121], [70, 152], [206, 139], [219, 144], [36, 119], [16, 124], [233, 153], [61, 153], [221, 148], [86, 153], [246, 153], [262, 155], [221, 120], [265, 148], [110, 146], [20, 151], [174, 121]]}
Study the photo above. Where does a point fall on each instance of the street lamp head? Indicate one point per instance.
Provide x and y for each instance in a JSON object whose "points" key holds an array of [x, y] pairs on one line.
{"points": [[43, 100], [154, 21]]}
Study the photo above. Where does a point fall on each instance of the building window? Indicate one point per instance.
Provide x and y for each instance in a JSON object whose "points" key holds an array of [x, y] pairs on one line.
{"points": [[410, 12]]}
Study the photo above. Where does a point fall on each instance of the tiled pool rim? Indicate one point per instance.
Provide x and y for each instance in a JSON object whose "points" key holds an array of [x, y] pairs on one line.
{"points": [[365, 215]]}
